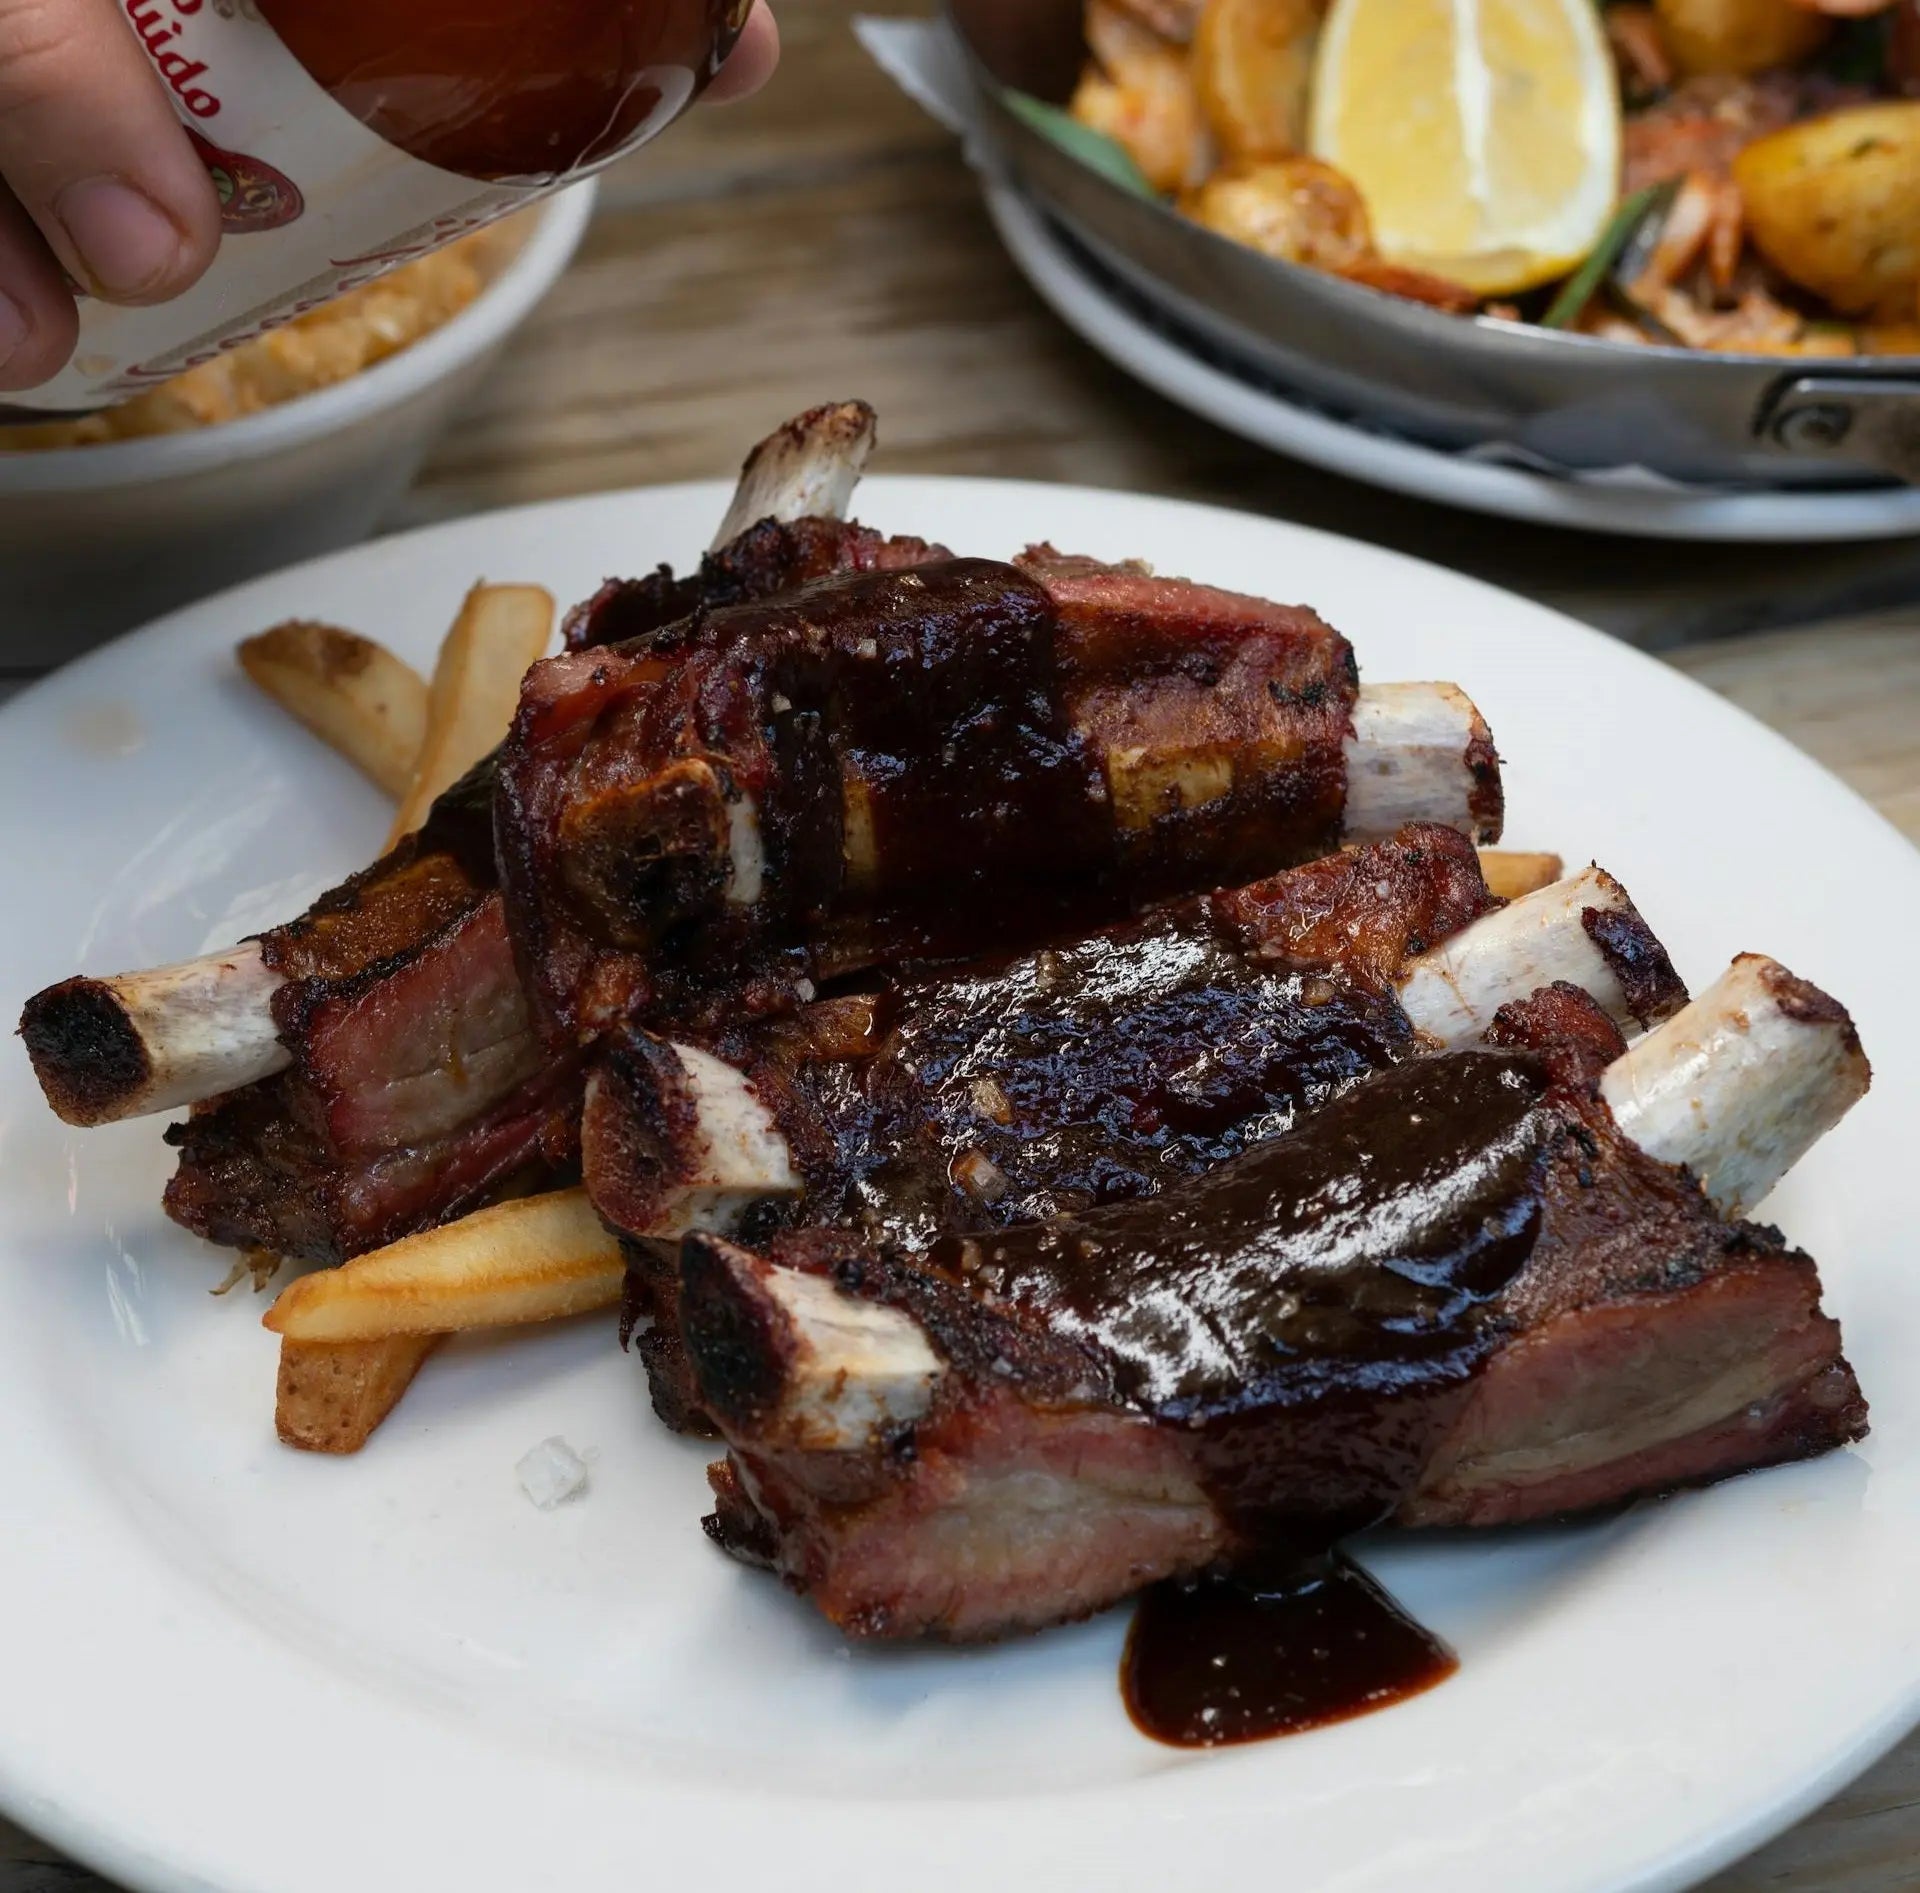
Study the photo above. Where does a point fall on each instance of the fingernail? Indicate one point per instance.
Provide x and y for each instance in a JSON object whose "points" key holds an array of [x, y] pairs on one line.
{"points": [[14, 327], [124, 241]]}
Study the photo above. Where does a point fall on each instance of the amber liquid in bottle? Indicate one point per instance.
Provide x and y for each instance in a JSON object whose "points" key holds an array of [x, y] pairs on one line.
{"points": [[510, 90], [348, 136]]}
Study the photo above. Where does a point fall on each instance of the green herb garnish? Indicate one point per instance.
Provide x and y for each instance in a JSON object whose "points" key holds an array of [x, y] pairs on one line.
{"points": [[1578, 290], [1093, 148]]}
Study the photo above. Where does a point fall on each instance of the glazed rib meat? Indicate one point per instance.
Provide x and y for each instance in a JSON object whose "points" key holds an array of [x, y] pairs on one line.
{"points": [[929, 762], [418, 1088], [1459, 1294], [770, 557], [1104, 1068]]}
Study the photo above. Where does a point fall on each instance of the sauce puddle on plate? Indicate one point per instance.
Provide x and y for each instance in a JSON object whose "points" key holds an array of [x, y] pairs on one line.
{"points": [[1240, 1658]]}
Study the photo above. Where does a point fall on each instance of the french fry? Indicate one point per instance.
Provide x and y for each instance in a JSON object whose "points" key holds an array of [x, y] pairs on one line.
{"points": [[354, 694], [1510, 872], [332, 1396], [500, 632], [534, 1259]]}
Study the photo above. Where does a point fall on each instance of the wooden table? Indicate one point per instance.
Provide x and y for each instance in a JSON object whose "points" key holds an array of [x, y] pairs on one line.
{"points": [[825, 240]]}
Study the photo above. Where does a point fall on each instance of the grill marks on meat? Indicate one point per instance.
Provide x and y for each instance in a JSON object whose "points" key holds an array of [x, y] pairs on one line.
{"points": [[257, 1170], [1144, 1391], [894, 764]]}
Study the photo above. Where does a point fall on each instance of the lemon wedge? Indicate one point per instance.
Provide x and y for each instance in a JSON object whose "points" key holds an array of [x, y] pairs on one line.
{"points": [[1483, 134]]}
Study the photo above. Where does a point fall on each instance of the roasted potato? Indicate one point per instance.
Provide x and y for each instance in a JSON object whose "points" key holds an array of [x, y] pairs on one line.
{"points": [[1739, 36], [1296, 209], [1834, 204], [1252, 65], [1139, 90]]}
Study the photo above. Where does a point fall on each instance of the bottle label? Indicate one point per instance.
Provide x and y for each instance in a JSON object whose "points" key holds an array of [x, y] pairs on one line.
{"points": [[332, 207]]}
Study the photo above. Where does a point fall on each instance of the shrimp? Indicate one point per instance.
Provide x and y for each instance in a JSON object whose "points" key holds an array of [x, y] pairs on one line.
{"points": [[1705, 122], [1139, 90], [1300, 210], [1706, 223], [1633, 31]]}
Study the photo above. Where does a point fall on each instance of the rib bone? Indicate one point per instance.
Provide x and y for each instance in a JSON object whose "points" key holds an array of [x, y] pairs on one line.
{"points": [[806, 470], [844, 1370], [1741, 1084], [1453, 991], [105, 1049], [1419, 753], [740, 1157], [1736, 1087]]}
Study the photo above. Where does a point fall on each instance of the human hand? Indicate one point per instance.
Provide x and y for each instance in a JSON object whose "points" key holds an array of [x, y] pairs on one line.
{"points": [[99, 185], [750, 65], [97, 180]]}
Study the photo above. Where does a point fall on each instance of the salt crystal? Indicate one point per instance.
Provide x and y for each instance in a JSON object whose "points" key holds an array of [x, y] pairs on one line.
{"points": [[551, 1473]]}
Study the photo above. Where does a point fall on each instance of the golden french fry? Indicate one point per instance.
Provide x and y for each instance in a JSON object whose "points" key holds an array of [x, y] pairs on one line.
{"points": [[1511, 873], [352, 693], [501, 630], [332, 1396], [534, 1259]]}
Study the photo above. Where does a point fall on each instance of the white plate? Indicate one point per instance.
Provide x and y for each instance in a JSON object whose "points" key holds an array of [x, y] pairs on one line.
{"points": [[223, 1665], [1208, 385]]}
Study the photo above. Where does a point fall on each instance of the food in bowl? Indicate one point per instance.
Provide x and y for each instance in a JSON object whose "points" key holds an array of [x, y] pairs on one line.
{"points": [[316, 350], [1730, 175]]}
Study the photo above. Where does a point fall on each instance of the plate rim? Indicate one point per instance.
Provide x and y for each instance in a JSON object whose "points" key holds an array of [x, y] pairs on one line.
{"points": [[123, 1856]]}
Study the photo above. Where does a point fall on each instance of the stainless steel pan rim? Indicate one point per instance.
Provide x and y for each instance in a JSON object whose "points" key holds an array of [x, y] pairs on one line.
{"points": [[1577, 401]]}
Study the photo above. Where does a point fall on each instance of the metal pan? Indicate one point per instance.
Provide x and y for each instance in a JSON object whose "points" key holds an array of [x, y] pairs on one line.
{"points": [[1448, 380]]}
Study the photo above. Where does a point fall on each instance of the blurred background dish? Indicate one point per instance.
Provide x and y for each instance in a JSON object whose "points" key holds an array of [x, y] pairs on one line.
{"points": [[302, 444], [1414, 363], [1208, 381]]}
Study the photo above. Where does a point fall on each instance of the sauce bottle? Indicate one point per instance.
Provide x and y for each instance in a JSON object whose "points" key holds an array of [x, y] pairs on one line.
{"points": [[347, 136]]}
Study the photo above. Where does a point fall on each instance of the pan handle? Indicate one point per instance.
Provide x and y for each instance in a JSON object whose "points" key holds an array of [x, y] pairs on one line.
{"points": [[1871, 423]]}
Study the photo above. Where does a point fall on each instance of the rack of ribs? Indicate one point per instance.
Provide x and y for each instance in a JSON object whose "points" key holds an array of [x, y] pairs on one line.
{"points": [[385, 1061], [1089, 1072], [1496, 1283]]}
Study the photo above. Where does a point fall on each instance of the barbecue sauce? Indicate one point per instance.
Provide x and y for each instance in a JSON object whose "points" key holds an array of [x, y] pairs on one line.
{"points": [[1315, 1310], [344, 137], [1101, 1070], [1240, 1658]]}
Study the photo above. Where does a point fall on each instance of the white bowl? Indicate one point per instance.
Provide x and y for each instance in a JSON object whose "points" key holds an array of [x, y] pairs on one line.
{"points": [[94, 540]]}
